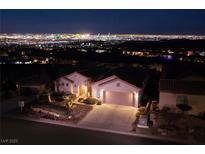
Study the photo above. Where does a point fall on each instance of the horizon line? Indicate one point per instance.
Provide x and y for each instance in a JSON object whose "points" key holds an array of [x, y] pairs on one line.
{"points": [[101, 34]]}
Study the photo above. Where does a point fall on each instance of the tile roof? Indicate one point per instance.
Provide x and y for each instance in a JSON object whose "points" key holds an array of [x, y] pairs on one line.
{"points": [[131, 75], [181, 86], [180, 71]]}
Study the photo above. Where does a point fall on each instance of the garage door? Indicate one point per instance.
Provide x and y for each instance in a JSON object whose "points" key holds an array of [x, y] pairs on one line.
{"points": [[120, 98]]}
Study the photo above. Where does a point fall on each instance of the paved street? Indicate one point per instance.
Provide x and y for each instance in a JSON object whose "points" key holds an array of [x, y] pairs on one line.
{"points": [[111, 117], [27, 132]]}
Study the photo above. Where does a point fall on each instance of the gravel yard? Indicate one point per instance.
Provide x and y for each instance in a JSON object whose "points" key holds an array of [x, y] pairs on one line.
{"points": [[54, 112]]}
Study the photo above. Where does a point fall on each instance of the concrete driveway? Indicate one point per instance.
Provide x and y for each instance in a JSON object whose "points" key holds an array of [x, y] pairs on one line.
{"points": [[110, 116]]}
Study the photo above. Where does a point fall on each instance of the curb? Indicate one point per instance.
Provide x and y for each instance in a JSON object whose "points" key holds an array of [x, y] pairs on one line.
{"points": [[47, 121]]}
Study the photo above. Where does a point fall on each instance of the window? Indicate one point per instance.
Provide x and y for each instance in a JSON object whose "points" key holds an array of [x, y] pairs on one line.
{"points": [[118, 84], [67, 84], [181, 99]]}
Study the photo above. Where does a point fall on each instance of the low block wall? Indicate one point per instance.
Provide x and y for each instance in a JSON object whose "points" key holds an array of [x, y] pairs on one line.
{"points": [[197, 102]]}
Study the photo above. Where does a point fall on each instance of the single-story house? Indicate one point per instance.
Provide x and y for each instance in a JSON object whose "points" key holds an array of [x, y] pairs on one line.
{"points": [[173, 90], [35, 83], [188, 87], [112, 89]]}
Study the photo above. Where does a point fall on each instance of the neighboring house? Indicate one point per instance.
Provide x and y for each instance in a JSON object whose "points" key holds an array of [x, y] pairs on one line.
{"points": [[35, 83], [40, 87], [74, 83], [109, 90], [190, 88]]}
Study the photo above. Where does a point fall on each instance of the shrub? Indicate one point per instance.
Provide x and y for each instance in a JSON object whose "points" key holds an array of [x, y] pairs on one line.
{"points": [[202, 114], [60, 103], [59, 99], [141, 110], [57, 96], [62, 96], [92, 101], [80, 100], [155, 106], [184, 107], [72, 96], [99, 102], [43, 99], [165, 109]]}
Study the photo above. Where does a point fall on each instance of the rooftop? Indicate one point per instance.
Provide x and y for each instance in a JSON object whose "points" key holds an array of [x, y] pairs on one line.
{"points": [[183, 87], [131, 75], [34, 80]]}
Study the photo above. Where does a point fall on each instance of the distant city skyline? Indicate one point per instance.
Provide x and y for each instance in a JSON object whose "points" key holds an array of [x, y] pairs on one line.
{"points": [[2, 34], [154, 22]]}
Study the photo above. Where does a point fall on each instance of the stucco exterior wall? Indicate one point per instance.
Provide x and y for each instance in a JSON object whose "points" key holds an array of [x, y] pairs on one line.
{"points": [[117, 86], [59, 87], [78, 80], [196, 101]]}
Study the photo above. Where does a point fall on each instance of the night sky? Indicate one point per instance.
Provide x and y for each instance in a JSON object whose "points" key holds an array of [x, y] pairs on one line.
{"points": [[103, 21]]}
